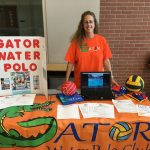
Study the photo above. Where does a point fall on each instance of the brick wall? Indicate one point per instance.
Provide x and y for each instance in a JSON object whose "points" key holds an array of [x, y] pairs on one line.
{"points": [[126, 26]]}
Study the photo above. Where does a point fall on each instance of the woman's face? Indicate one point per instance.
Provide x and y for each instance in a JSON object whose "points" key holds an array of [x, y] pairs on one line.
{"points": [[88, 24]]}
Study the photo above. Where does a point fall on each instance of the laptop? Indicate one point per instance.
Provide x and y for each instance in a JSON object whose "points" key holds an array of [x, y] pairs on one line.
{"points": [[96, 86]]}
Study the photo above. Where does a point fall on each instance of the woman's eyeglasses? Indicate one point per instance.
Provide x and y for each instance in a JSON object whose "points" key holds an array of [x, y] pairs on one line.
{"points": [[88, 22]]}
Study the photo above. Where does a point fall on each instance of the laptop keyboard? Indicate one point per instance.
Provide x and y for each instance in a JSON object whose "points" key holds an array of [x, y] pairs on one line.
{"points": [[103, 94]]}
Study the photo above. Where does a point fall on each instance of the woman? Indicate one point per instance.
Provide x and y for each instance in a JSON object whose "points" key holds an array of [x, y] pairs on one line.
{"points": [[88, 51]]}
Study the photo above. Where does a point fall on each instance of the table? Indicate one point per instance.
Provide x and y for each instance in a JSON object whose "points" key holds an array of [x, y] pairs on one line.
{"points": [[20, 128]]}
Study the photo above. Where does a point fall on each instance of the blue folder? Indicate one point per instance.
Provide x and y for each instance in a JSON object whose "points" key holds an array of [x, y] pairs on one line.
{"points": [[65, 100]]}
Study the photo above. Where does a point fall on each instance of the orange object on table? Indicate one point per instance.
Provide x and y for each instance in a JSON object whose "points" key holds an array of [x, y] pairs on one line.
{"points": [[21, 132]]}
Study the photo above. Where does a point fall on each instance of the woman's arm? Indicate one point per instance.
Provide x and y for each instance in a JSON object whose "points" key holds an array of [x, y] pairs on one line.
{"points": [[68, 70], [107, 66]]}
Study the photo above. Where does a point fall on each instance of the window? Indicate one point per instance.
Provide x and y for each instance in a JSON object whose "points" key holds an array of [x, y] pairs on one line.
{"points": [[21, 18]]}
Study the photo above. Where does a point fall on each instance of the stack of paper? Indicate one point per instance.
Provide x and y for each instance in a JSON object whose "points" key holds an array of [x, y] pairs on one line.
{"points": [[125, 106], [143, 110], [99, 110], [68, 112], [16, 100]]}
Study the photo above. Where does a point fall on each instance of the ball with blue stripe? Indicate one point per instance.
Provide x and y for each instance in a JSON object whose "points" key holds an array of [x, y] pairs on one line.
{"points": [[120, 131]]}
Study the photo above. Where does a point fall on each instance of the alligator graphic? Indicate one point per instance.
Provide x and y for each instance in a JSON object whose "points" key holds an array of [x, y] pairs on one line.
{"points": [[14, 138]]}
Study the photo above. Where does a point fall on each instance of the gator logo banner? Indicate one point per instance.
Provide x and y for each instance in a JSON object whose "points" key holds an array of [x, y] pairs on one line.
{"points": [[27, 126], [99, 136], [36, 128]]}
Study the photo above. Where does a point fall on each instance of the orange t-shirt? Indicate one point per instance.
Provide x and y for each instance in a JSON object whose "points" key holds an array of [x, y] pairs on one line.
{"points": [[89, 57]]}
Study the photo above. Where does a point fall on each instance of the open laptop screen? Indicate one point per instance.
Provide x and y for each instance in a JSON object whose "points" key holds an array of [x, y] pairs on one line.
{"points": [[96, 86], [95, 79]]}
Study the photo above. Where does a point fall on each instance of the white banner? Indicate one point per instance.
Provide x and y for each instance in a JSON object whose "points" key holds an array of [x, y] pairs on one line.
{"points": [[22, 65]]}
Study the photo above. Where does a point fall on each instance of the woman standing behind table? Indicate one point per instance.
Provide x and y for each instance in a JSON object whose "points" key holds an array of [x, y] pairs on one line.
{"points": [[88, 51]]}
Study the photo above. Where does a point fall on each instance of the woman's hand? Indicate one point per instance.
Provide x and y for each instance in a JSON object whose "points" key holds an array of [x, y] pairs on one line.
{"points": [[114, 82]]}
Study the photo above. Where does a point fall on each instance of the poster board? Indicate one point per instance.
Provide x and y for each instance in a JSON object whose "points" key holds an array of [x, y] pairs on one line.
{"points": [[23, 65]]}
